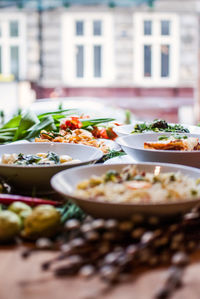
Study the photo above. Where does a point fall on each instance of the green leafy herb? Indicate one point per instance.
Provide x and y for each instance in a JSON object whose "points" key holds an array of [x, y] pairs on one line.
{"points": [[111, 175], [13, 123], [28, 119], [112, 154], [95, 121], [179, 136], [47, 123], [64, 113], [163, 137], [27, 159], [69, 211], [53, 157], [159, 126]]}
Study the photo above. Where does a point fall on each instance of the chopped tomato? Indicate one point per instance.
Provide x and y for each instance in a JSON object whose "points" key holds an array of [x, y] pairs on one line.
{"points": [[111, 134], [134, 185], [72, 123], [96, 132], [103, 133]]}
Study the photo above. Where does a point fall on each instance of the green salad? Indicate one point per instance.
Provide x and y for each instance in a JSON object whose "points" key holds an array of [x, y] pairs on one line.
{"points": [[159, 125]]}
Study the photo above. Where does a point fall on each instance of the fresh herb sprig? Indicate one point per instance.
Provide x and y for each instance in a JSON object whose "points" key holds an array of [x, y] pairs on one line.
{"points": [[112, 154]]}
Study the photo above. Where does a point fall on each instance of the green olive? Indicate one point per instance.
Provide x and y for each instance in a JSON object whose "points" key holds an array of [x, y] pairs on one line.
{"points": [[18, 207], [10, 225]]}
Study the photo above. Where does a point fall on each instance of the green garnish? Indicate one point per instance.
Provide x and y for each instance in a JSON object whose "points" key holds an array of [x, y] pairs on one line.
{"points": [[163, 137], [53, 157], [27, 159], [179, 136], [111, 175], [159, 126]]}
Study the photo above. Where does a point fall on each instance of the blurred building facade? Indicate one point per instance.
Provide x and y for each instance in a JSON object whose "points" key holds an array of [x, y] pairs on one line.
{"points": [[134, 50]]}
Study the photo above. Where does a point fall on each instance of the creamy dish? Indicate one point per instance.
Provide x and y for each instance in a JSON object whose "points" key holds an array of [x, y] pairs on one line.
{"points": [[133, 186], [179, 143], [49, 158]]}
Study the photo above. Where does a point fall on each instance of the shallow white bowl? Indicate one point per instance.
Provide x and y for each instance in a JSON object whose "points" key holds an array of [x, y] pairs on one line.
{"points": [[133, 145], [66, 181], [127, 129], [37, 178]]}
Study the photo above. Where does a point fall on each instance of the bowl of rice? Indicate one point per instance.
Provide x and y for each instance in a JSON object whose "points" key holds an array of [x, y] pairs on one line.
{"points": [[121, 190]]}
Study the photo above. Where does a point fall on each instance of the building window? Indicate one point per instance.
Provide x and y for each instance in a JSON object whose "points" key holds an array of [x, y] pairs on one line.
{"points": [[156, 49], [79, 61], [79, 28], [12, 45], [97, 27], [147, 27], [88, 51]]}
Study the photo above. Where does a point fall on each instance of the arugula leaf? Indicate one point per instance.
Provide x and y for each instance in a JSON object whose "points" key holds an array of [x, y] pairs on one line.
{"points": [[95, 121]]}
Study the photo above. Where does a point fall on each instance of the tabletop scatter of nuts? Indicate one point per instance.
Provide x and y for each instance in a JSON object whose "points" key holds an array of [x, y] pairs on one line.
{"points": [[113, 249]]}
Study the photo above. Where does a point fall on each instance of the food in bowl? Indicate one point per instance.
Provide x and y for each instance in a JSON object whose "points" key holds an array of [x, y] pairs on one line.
{"points": [[50, 158], [174, 142], [78, 136], [133, 186], [82, 130], [159, 125]]}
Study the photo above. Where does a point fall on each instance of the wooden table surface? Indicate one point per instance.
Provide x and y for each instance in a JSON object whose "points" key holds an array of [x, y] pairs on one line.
{"points": [[23, 279]]}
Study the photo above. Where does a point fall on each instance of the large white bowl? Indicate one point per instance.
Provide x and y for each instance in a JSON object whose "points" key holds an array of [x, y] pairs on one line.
{"points": [[133, 145], [37, 178], [66, 181], [127, 129]]}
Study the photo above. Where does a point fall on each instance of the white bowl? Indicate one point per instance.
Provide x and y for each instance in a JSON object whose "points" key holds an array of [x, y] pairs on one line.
{"points": [[133, 145], [37, 178], [127, 129], [66, 181]]}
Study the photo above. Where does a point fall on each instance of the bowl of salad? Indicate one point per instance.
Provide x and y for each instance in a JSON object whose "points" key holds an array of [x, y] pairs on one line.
{"points": [[156, 126], [30, 166]]}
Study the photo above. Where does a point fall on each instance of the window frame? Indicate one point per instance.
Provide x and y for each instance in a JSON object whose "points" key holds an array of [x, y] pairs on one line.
{"points": [[155, 40], [88, 40], [6, 41]]}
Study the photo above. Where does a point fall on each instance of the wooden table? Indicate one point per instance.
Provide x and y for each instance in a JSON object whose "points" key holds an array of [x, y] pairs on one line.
{"points": [[23, 279]]}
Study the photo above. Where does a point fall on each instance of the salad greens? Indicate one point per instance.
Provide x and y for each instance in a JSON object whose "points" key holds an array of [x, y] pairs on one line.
{"points": [[159, 125], [28, 125]]}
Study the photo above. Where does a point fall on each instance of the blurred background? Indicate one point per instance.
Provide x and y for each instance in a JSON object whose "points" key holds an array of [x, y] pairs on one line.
{"points": [[103, 55]]}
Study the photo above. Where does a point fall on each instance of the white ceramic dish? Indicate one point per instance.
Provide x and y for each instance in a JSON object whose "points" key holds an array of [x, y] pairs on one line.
{"points": [[37, 178], [121, 159], [133, 145], [66, 181], [127, 129]]}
